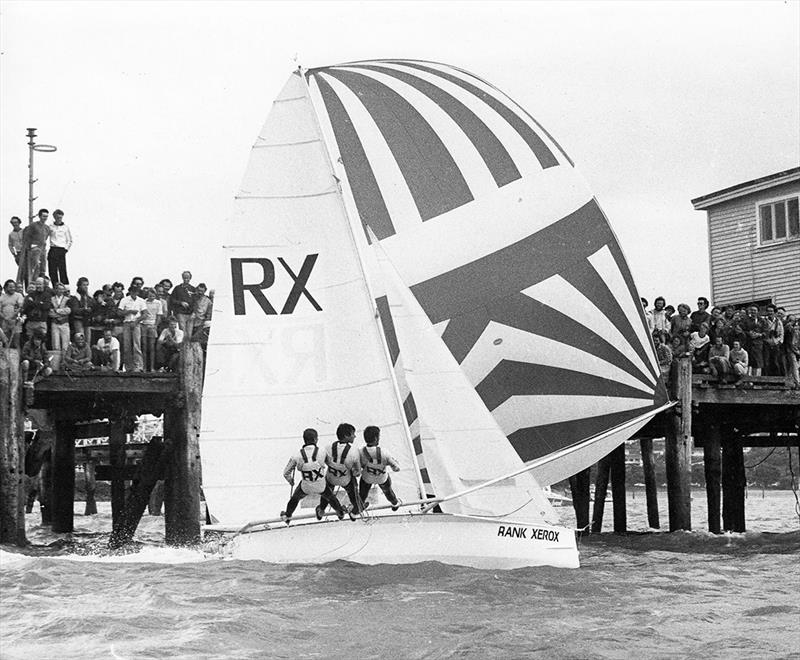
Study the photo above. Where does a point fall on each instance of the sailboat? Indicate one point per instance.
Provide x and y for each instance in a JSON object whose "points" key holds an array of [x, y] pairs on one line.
{"points": [[411, 249]]}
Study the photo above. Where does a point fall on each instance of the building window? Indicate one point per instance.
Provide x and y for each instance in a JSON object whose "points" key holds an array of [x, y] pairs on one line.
{"points": [[778, 221]]}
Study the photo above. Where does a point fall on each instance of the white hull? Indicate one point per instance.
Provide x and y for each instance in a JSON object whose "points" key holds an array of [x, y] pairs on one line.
{"points": [[408, 539]]}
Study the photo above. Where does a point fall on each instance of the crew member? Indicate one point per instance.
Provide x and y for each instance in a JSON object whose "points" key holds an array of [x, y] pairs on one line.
{"points": [[344, 466], [310, 463], [374, 462]]}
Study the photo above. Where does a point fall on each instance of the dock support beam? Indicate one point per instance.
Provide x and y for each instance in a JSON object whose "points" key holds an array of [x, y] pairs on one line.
{"points": [[12, 451], [733, 484], [579, 488], [678, 449], [91, 487], [618, 502], [600, 491], [650, 486], [116, 449], [713, 471], [63, 493], [182, 429]]}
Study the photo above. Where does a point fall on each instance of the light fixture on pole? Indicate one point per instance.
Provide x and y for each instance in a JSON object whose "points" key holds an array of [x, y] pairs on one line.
{"points": [[32, 146]]}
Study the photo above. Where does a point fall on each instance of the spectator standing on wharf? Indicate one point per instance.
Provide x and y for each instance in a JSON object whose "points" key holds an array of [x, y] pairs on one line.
{"points": [[792, 331], [114, 317], [754, 329], [164, 298], [99, 316], [60, 243], [10, 309], [735, 330], [169, 345], [78, 356], [201, 315], [701, 315], [151, 318], [34, 246], [680, 325], [661, 323], [739, 359], [15, 239], [82, 308], [773, 342], [59, 319], [374, 462], [180, 302], [131, 308], [648, 315], [36, 308], [107, 356], [344, 467]]}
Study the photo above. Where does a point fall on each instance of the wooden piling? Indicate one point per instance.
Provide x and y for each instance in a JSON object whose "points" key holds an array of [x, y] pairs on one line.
{"points": [[91, 486], [713, 471], [117, 456], [63, 493], [156, 502], [618, 502], [579, 488], [12, 451], [182, 428], [650, 485], [46, 487], [600, 491], [678, 449], [733, 483]]}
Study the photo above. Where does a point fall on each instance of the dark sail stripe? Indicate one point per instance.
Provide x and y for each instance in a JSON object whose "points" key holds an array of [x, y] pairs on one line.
{"points": [[537, 146], [385, 315], [491, 150], [587, 280], [512, 378], [410, 409], [432, 175], [366, 192], [417, 442], [537, 441]]}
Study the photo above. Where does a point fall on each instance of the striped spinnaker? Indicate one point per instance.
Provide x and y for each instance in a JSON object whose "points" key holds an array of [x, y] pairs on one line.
{"points": [[501, 242]]}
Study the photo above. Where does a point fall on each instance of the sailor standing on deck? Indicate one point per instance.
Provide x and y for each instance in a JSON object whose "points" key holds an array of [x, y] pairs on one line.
{"points": [[310, 463], [374, 462], [344, 466]]}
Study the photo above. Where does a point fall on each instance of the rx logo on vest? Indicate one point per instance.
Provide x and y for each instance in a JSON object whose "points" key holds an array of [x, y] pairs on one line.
{"points": [[268, 274]]}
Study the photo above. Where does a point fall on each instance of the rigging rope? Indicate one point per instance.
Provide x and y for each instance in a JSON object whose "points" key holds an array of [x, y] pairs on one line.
{"points": [[794, 483], [750, 467]]}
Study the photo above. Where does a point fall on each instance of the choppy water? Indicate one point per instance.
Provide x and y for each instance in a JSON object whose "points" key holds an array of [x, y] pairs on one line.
{"points": [[638, 596]]}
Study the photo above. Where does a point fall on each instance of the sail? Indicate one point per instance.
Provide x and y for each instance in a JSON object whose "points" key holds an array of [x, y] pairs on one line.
{"points": [[296, 342], [503, 246], [462, 444]]}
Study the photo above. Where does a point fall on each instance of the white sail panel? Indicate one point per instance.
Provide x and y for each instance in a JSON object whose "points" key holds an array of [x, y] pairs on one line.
{"points": [[295, 342]]}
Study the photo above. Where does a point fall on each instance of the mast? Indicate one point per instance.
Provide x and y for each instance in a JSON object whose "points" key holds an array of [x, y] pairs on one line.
{"points": [[370, 295]]}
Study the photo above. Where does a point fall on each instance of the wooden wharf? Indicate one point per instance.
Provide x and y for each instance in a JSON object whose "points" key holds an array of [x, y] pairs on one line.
{"points": [[67, 407]]}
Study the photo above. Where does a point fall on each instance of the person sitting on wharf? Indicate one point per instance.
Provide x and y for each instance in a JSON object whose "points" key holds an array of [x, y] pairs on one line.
{"points": [[60, 243], [310, 463], [35, 360], [131, 307], [739, 359], [374, 462], [677, 347], [36, 308], [15, 239], [78, 356], [664, 355], [168, 348], [344, 467], [10, 309], [699, 344], [151, 318], [107, 354], [719, 358], [59, 319]]}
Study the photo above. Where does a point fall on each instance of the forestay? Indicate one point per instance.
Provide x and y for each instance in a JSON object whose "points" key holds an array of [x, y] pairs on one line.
{"points": [[296, 342]]}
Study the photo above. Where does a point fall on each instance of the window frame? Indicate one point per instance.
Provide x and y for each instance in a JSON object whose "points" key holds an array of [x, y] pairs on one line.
{"points": [[772, 202]]}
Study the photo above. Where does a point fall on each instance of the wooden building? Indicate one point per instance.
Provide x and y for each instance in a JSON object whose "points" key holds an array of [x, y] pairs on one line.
{"points": [[754, 241]]}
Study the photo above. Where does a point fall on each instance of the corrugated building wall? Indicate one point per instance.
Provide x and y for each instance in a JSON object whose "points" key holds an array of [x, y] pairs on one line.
{"points": [[742, 270]]}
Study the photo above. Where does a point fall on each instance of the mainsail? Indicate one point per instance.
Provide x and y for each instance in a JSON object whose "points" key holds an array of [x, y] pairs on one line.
{"points": [[505, 249]]}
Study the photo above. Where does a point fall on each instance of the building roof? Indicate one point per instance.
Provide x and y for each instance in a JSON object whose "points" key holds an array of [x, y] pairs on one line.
{"points": [[746, 188]]}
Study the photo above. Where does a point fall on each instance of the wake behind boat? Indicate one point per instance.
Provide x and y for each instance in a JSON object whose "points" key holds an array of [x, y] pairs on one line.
{"points": [[410, 249]]}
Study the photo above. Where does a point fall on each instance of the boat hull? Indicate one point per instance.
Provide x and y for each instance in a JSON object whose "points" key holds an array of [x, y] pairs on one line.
{"points": [[408, 539]]}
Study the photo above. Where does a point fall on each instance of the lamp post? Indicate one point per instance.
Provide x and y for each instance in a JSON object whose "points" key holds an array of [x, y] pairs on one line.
{"points": [[32, 146]]}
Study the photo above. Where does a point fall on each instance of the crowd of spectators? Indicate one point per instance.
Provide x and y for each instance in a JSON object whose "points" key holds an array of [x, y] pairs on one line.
{"points": [[138, 328], [726, 342]]}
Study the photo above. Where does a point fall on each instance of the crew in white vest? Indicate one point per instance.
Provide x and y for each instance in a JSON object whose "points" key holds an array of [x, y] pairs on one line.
{"points": [[344, 466], [374, 462], [310, 463]]}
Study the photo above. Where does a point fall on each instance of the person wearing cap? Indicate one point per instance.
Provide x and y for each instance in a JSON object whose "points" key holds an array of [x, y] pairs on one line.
{"points": [[310, 463], [344, 466], [78, 356], [35, 360], [60, 243], [374, 461], [15, 239]]}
